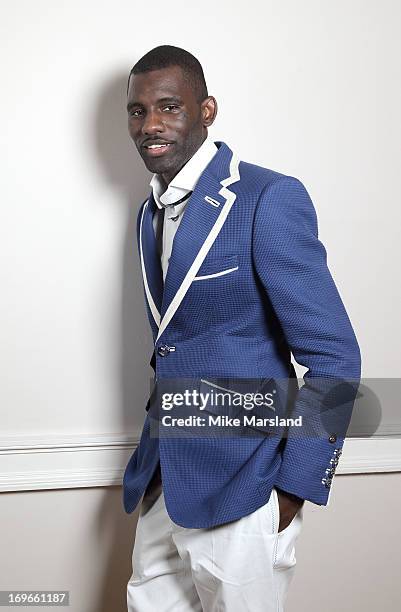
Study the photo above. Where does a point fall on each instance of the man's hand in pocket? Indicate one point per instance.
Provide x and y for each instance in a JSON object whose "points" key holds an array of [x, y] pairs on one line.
{"points": [[289, 505]]}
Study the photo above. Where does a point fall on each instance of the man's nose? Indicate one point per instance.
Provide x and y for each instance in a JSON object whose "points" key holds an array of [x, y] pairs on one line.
{"points": [[152, 124]]}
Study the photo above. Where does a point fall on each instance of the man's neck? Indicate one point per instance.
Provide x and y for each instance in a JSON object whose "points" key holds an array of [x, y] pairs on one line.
{"points": [[168, 177]]}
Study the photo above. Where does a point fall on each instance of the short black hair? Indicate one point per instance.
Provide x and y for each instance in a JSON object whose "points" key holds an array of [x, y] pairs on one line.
{"points": [[165, 56]]}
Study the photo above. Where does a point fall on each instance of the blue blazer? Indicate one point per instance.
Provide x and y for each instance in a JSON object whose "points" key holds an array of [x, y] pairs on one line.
{"points": [[247, 284]]}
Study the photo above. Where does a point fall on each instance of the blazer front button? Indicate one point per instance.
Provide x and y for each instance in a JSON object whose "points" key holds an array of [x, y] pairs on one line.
{"points": [[164, 349], [333, 438]]}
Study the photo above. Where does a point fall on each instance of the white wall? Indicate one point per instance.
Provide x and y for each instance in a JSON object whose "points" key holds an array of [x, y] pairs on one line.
{"points": [[307, 88]]}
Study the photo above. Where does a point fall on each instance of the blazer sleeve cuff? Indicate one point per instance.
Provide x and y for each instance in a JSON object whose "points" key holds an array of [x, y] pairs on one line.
{"points": [[308, 467]]}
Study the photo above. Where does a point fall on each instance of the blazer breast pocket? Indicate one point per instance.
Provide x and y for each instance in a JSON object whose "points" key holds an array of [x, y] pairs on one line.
{"points": [[215, 267]]}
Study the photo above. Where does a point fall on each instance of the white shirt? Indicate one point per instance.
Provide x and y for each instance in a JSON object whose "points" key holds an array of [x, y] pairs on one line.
{"points": [[167, 219]]}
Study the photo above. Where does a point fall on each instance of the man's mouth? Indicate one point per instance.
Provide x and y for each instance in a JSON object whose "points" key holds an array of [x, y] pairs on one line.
{"points": [[156, 150]]}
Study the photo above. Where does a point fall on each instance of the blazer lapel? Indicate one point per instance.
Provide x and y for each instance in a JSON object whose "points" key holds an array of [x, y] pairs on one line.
{"points": [[203, 219]]}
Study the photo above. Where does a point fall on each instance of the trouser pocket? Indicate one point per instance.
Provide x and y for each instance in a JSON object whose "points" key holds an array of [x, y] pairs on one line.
{"points": [[284, 554]]}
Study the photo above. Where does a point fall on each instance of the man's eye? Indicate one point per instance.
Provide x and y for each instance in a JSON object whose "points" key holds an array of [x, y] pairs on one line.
{"points": [[170, 107], [135, 113]]}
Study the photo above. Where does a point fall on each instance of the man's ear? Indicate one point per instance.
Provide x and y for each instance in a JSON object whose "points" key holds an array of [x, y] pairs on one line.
{"points": [[209, 110]]}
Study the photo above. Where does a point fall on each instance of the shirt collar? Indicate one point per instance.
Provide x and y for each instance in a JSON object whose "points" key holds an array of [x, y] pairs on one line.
{"points": [[186, 178]]}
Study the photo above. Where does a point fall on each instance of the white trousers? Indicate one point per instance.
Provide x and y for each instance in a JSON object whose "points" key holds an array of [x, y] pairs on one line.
{"points": [[241, 566]]}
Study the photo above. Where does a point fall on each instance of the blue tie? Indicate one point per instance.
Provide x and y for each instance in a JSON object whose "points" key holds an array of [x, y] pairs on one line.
{"points": [[151, 255]]}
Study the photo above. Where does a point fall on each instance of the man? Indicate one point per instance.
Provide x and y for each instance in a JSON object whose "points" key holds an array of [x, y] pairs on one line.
{"points": [[235, 279]]}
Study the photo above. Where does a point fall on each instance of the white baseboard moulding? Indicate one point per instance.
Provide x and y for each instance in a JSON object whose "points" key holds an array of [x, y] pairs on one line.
{"points": [[29, 463]]}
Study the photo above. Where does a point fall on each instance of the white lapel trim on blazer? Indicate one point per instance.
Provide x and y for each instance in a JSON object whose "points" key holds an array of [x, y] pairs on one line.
{"points": [[152, 305], [229, 196]]}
